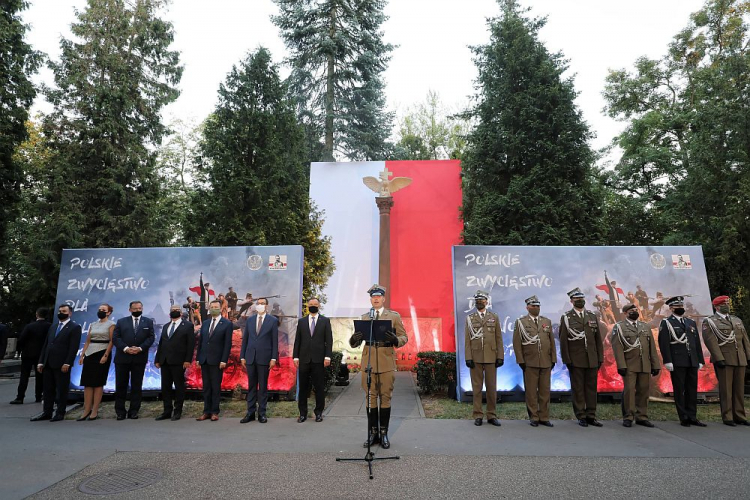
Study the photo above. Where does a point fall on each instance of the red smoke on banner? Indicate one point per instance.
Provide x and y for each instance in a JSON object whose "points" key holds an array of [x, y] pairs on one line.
{"points": [[197, 290], [605, 289]]}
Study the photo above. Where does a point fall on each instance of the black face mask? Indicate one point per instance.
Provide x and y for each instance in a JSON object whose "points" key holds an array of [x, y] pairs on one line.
{"points": [[679, 311], [579, 303], [101, 314], [313, 309], [62, 316], [136, 314], [174, 314], [633, 315]]}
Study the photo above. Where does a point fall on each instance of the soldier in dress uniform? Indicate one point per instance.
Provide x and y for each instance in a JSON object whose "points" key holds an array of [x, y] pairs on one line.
{"points": [[637, 362], [727, 341], [582, 352], [382, 357], [534, 345], [682, 356], [484, 355]]}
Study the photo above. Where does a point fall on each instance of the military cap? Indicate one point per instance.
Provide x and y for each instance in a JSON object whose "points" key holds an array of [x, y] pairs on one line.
{"points": [[533, 301], [722, 299], [628, 307], [576, 293], [676, 301], [481, 294], [376, 290]]}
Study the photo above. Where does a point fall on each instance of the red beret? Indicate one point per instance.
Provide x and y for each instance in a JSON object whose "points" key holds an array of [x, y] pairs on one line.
{"points": [[720, 300]]}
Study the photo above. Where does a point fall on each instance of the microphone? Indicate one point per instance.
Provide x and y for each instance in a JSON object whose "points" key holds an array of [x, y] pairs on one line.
{"points": [[372, 313]]}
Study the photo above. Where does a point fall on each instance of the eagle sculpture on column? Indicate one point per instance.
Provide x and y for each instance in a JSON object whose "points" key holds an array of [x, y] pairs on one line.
{"points": [[385, 187]]}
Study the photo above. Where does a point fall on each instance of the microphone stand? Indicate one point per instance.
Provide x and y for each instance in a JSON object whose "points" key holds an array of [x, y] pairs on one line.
{"points": [[370, 455]]}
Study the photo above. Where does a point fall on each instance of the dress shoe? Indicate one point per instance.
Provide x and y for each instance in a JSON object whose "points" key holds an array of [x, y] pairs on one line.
{"points": [[534, 423], [120, 417], [262, 419], [248, 418], [17, 402], [176, 416], [214, 418], [729, 423], [696, 422], [163, 416], [685, 423], [95, 417], [43, 416], [644, 423], [477, 422], [493, 421], [594, 422], [742, 422], [627, 423], [133, 416], [83, 417], [319, 417], [582, 422], [57, 417], [301, 419], [385, 443], [203, 417], [546, 423]]}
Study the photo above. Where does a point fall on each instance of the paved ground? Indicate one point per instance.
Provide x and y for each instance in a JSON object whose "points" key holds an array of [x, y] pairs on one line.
{"points": [[440, 458]]}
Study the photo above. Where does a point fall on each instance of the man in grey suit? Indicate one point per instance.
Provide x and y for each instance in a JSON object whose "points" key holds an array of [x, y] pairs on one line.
{"points": [[133, 335], [260, 350]]}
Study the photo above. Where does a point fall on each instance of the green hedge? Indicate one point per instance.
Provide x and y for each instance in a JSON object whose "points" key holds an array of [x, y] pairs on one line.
{"points": [[435, 370], [333, 368]]}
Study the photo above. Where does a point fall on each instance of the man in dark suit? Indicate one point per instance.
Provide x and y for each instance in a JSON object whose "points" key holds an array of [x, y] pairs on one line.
{"points": [[132, 337], [57, 356], [4, 335], [173, 357], [260, 350], [313, 346], [682, 356], [213, 354], [30, 345]]}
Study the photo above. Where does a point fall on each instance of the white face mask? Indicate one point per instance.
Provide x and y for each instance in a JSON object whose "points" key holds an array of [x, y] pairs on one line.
{"points": [[261, 308]]}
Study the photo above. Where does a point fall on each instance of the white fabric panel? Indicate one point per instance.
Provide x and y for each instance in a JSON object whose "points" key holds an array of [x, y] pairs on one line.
{"points": [[351, 220]]}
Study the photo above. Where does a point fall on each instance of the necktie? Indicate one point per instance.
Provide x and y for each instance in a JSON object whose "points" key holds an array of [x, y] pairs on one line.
{"points": [[312, 328], [377, 315], [59, 327], [211, 330], [682, 322], [260, 323], [481, 315], [171, 330], [536, 322], [135, 324]]}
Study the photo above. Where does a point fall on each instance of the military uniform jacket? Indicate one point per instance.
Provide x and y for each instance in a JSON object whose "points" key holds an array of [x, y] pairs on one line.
{"points": [[641, 359], [682, 355], [487, 344], [732, 353], [535, 355], [581, 353], [385, 361]]}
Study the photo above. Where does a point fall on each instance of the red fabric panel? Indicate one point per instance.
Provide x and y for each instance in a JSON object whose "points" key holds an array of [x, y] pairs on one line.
{"points": [[425, 224]]}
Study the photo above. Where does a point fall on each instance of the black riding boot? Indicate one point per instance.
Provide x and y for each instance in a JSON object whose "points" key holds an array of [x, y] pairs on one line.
{"points": [[385, 417], [374, 435]]}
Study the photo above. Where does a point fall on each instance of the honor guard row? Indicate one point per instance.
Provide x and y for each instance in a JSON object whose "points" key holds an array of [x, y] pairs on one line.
{"points": [[635, 352]]}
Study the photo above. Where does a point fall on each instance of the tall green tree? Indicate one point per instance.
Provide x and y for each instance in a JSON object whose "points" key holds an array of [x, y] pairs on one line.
{"points": [[18, 61], [253, 177], [686, 147], [337, 56], [528, 168]]}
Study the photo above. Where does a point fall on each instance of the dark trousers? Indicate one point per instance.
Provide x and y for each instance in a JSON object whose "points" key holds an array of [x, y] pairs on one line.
{"points": [[211, 375], [583, 384], [28, 365], [257, 388], [132, 373], [56, 385], [685, 387], [173, 374], [316, 373]]}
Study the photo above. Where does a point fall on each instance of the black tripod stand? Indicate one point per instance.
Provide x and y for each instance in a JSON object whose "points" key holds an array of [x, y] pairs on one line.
{"points": [[370, 455]]}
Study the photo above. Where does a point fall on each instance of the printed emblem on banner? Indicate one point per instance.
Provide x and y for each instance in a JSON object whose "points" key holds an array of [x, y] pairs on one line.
{"points": [[658, 261], [681, 261], [277, 263], [254, 262]]}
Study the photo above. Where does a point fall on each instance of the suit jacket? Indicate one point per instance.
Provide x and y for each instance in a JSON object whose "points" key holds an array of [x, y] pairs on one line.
{"points": [[178, 349], [488, 348], [385, 360], [32, 338], [263, 347], [61, 349], [638, 360], [588, 354], [735, 353], [124, 336], [538, 355], [316, 347], [677, 354], [215, 349]]}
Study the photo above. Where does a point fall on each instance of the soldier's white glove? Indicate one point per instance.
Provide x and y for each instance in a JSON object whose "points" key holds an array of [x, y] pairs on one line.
{"points": [[669, 366], [700, 365]]}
